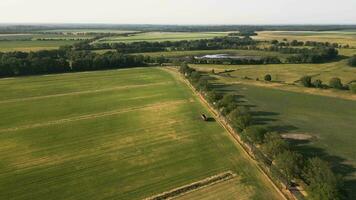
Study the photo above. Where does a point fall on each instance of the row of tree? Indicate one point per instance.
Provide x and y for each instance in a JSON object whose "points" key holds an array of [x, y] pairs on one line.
{"points": [[269, 147], [296, 43], [184, 45], [60, 61], [334, 83], [306, 55], [239, 61]]}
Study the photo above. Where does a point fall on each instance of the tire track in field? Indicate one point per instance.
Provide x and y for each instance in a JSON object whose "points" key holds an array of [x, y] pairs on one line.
{"points": [[95, 115], [83, 92]]}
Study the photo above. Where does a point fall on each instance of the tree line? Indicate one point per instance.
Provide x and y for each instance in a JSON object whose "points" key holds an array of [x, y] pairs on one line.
{"points": [[183, 45], [61, 61], [268, 147]]}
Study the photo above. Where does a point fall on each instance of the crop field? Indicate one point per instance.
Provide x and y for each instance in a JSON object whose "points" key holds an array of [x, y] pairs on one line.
{"points": [[120, 134], [328, 123], [163, 36], [289, 73], [341, 37], [87, 31], [32, 45]]}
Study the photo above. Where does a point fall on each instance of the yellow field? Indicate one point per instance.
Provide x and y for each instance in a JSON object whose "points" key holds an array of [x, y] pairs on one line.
{"points": [[341, 37]]}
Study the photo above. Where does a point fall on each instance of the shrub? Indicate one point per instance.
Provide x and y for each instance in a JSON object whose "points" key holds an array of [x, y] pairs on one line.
{"points": [[335, 83], [274, 145], [213, 96], [352, 61], [321, 182], [318, 83], [306, 81], [268, 77], [289, 163], [255, 134], [353, 88], [240, 118]]}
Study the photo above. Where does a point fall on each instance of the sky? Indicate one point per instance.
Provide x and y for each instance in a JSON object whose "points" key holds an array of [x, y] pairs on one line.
{"points": [[179, 11]]}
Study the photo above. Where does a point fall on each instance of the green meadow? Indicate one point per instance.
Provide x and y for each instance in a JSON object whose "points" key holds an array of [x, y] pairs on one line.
{"points": [[120, 134], [32, 45], [163, 36]]}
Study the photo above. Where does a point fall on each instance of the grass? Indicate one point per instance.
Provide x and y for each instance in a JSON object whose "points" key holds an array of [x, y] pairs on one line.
{"points": [[162, 36], [329, 120], [32, 45], [122, 134], [341, 37], [289, 73]]}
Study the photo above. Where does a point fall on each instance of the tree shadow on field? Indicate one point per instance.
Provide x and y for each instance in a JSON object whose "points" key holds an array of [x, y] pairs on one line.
{"points": [[304, 146], [338, 164]]}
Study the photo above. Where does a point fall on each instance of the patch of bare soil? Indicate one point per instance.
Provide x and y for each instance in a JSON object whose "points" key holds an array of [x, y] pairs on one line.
{"points": [[298, 136]]}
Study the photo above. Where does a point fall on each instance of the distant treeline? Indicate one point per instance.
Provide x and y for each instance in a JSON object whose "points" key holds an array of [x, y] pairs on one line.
{"points": [[296, 43], [184, 45], [16, 28], [61, 61]]}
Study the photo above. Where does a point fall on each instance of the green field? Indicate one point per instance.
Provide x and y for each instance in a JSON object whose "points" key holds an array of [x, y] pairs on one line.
{"points": [[330, 122], [32, 45], [87, 31], [122, 134], [341, 37], [289, 73], [163, 36]]}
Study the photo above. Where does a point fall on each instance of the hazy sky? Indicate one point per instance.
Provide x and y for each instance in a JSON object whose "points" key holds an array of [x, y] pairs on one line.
{"points": [[179, 11]]}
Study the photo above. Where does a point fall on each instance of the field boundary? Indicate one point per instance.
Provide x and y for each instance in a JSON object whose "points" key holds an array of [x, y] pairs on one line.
{"points": [[194, 186], [285, 194]]}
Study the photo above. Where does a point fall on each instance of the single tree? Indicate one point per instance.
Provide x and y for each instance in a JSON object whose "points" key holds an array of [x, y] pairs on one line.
{"points": [[318, 83], [289, 163], [353, 88], [268, 77], [336, 83], [306, 81], [273, 145], [321, 182], [255, 134], [352, 61]]}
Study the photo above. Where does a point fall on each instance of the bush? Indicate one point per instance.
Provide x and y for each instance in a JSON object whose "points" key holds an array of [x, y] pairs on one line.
{"points": [[268, 77], [240, 118], [306, 81], [335, 83], [255, 134], [352, 61], [289, 163], [274, 145], [353, 88], [321, 182], [318, 83]]}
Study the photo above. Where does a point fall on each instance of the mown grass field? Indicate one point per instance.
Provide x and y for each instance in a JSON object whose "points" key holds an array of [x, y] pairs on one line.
{"points": [[289, 73], [330, 121], [32, 45], [123, 134], [163, 36], [341, 37]]}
